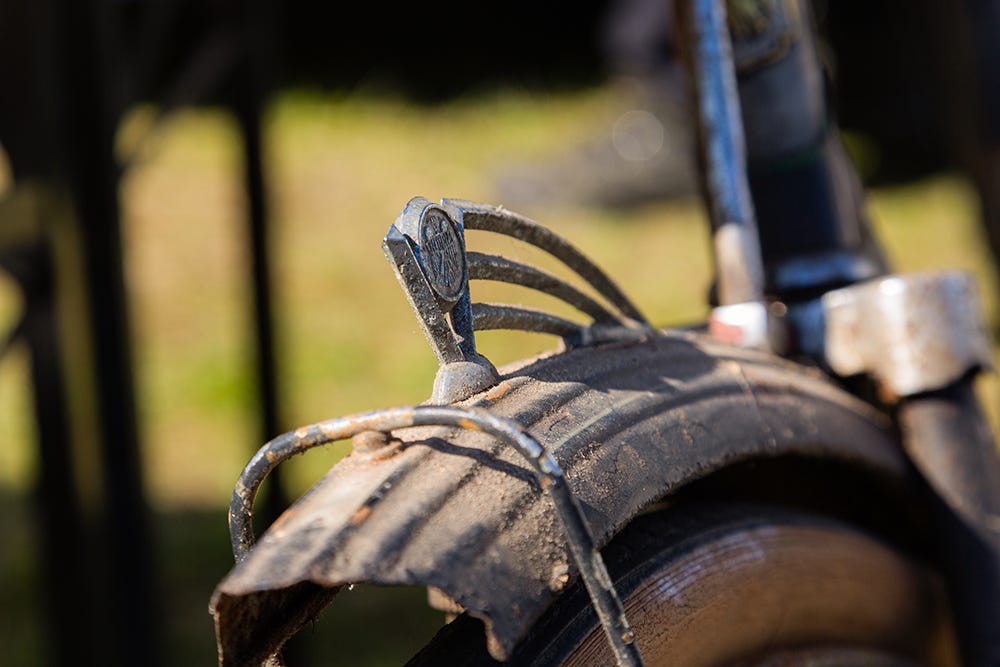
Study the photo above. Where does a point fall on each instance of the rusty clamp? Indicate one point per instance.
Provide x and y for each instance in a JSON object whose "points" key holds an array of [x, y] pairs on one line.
{"points": [[912, 333]]}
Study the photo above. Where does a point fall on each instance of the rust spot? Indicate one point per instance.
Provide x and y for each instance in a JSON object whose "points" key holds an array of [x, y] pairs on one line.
{"points": [[270, 456], [375, 445], [886, 394], [725, 333], [393, 447], [302, 432], [470, 425], [367, 442], [361, 515], [560, 576], [499, 391]]}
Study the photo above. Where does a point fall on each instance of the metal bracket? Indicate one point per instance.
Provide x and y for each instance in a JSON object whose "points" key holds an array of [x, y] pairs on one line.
{"points": [[426, 247], [912, 333]]}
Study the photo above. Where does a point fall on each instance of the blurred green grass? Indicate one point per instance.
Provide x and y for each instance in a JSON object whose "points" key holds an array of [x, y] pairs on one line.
{"points": [[340, 169]]}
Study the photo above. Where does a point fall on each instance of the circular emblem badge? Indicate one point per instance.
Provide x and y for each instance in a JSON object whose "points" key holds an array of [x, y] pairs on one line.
{"points": [[441, 254]]}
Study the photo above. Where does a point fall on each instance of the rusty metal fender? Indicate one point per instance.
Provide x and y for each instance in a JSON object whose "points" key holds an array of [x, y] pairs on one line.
{"points": [[452, 509]]}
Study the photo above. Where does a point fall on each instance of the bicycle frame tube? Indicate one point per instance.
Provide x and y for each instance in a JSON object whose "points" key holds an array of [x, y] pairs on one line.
{"points": [[768, 145], [727, 192]]}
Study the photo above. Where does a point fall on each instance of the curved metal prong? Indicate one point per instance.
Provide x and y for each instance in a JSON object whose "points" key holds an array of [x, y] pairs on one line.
{"points": [[499, 220], [487, 316], [493, 267]]}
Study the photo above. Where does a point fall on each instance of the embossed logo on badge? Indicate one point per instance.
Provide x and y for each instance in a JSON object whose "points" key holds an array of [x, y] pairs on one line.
{"points": [[441, 253]]}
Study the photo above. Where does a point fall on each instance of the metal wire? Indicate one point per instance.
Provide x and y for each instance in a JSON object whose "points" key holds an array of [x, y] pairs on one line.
{"points": [[547, 471]]}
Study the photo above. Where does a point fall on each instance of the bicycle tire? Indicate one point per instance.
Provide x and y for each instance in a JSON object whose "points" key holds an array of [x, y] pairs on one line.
{"points": [[739, 585]]}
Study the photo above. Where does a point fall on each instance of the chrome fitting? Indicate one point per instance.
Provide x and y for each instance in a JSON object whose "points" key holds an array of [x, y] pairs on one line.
{"points": [[911, 333], [741, 324]]}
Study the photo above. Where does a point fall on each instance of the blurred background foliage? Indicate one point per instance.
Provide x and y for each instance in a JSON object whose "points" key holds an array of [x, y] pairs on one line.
{"points": [[373, 107], [341, 167]]}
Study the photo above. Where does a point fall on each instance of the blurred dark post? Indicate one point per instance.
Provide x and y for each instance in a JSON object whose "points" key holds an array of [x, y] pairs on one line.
{"points": [[964, 38], [98, 576], [83, 56], [26, 255], [62, 531], [979, 146], [254, 78], [64, 564]]}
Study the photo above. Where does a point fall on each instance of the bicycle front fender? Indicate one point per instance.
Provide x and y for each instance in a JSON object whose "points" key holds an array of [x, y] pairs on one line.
{"points": [[454, 510]]}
